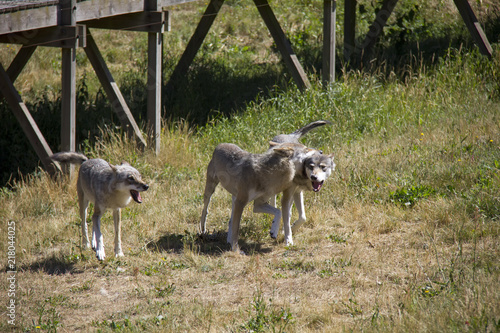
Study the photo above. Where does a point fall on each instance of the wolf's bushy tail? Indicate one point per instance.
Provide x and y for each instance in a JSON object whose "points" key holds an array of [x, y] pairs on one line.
{"points": [[301, 131], [69, 157]]}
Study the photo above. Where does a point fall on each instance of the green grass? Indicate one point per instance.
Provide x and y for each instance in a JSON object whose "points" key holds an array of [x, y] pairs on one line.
{"points": [[403, 237]]}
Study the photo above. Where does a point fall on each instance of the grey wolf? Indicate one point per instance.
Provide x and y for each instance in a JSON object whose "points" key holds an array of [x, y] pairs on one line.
{"points": [[250, 177], [314, 170], [107, 186]]}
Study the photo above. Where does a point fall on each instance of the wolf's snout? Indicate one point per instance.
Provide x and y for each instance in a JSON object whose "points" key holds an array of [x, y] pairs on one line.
{"points": [[314, 177], [145, 187]]}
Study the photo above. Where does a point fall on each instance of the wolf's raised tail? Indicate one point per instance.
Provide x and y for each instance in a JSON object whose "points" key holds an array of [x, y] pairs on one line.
{"points": [[295, 136], [302, 131], [69, 157]]}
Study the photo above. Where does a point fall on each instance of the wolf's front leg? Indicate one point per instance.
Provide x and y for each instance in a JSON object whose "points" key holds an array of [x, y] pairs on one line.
{"points": [[97, 239], [118, 239], [298, 198], [230, 224], [83, 215], [261, 206], [286, 210], [238, 207]]}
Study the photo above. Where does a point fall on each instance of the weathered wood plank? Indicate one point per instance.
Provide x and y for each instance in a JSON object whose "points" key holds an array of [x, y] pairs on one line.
{"points": [[28, 20], [41, 17], [329, 23], [154, 83], [26, 121], [98, 9], [68, 84], [58, 36], [109, 85], [283, 44], [141, 21], [474, 27]]}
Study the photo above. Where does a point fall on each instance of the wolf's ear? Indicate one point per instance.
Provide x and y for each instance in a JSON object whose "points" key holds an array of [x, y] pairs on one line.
{"points": [[273, 144], [113, 167], [285, 151]]}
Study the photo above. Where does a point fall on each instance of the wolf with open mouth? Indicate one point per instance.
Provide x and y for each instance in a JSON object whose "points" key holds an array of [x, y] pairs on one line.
{"points": [[311, 173], [108, 187]]}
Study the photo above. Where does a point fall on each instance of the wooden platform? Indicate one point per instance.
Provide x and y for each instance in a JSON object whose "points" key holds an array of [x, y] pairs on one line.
{"points": [[65, 24]]}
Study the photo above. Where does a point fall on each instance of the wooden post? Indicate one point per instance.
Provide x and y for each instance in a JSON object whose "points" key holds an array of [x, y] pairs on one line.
{"points": [[349, 29], [154, 81], [283, 44], [474, 27], [329, 22], [68, 79]]}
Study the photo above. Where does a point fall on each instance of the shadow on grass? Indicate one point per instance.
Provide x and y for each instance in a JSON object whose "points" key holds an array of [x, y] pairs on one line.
{"points": [[54, 265], [212, 244]]}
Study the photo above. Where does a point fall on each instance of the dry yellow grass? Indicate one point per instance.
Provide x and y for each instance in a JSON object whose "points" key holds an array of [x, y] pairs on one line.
{"points": [[361, 262], [354, 263]]}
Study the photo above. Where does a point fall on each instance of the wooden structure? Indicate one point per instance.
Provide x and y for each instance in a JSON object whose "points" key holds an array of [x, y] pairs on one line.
{"points": [[351, 49], [65, 24]]}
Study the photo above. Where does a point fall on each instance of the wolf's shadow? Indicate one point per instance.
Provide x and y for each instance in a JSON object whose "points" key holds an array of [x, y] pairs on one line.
{"points": [[209, 243]]}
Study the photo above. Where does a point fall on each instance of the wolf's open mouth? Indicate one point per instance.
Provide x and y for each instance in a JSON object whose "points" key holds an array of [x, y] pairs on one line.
{"points": [[316, 186], [136, 196]]}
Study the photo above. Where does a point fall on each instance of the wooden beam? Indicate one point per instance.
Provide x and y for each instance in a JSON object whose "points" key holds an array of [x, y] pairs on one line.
{"points": [[112, 91], [154, 83], [474, 27], [195, 42], [28, 20], [58, 36], [349, 29], [16, 66], [283, 44], [329, 22], [68, 84], [151, 21], [26, 121], [378, 25]]}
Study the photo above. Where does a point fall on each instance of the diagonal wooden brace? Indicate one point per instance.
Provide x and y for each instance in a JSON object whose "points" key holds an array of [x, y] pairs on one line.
{"points": [[112, 91], [283, 44], [26, 121]]}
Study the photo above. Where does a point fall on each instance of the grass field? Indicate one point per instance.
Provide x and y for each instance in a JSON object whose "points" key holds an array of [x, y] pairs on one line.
{"points": [[404, 236]]}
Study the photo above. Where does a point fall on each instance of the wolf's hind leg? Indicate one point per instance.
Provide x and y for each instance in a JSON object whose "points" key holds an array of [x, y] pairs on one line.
{"points": [[118, 238], [210, 186], [84, 203]]}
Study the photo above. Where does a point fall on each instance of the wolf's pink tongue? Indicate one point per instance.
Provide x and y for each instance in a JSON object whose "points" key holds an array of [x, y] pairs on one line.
{"points": [[316, 186], [136, 196]]}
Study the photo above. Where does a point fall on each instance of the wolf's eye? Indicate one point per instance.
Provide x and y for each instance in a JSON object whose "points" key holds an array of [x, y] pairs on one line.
{"points": [[311, 166], [131, 178]]}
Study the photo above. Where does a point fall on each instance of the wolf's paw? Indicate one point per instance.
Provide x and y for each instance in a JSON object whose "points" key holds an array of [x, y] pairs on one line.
{"points": [[119, 254], [297, 224], [100, 255], [289, 241]]}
